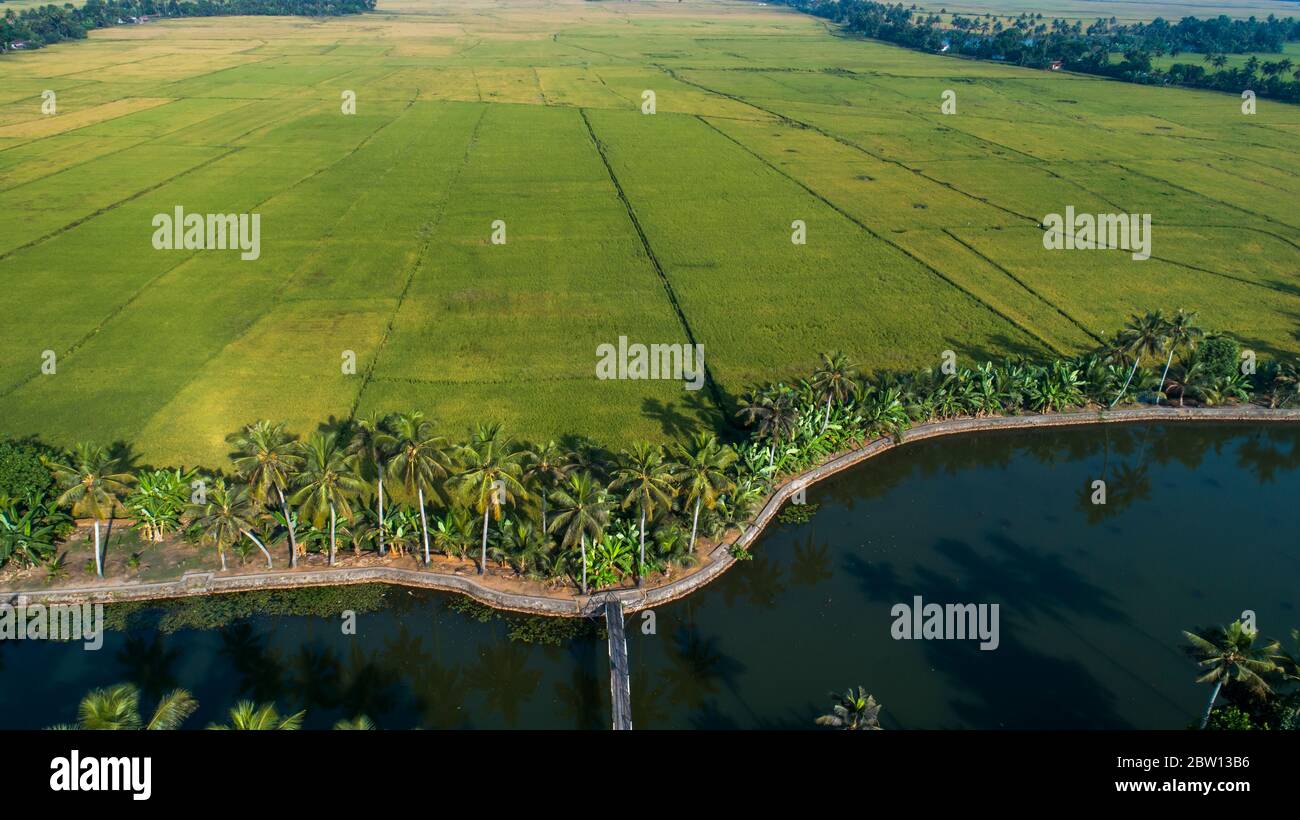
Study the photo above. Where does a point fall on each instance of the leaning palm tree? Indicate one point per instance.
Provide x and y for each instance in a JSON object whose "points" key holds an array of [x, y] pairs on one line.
{"points": [[547, 466], [372, 443], [327, 483], [833, 380], [703, 474], [1229, 653], [491, 476], [581, 511], [118, 708], [852, 711], [267, 457], [1179, 331], [419, 459], [649, 482], [92, 487], [1142, 335], [226, 515], [249, 716]]}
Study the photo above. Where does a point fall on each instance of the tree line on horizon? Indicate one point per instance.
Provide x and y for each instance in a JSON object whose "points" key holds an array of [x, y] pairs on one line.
{"points": [[46, 25], [1030, 41], [572, 512]]}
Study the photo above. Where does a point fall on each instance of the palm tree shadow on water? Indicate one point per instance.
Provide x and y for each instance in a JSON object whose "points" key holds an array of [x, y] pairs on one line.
{"points": [[261, 674], [1013, 685], [584, 698], [149, 663]]}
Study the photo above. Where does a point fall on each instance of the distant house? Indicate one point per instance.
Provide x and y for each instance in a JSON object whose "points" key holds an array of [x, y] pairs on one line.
{"points": [[1056, 64]]}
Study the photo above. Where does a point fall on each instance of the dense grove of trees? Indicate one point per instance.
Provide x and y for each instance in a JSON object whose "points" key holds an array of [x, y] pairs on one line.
{"points": [[573, 513], [44, 25], [1030, 40]]}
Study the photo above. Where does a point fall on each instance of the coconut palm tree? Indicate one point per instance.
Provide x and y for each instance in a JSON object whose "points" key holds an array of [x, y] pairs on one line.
{"points": [[358, 723], [547, 466], [1179, 331], [92, 487], [372, 443], [419, 459], [266, 457], [249, 716], [491, 475], [833, 381], [773, 414], [327, 483], [226, 515], [581, 512], [118, 708], [1229, 653], [649, 482], [853, 712], [1142, 335], [703, 474]]}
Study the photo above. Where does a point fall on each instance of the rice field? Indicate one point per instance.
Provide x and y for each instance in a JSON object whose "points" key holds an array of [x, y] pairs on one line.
{"points": [[525, 117]]}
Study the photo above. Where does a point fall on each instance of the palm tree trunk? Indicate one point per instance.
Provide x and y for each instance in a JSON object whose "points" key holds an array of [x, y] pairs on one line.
{"points": [[288, 522], [1210, 706], [482, 566], [424, 525], [260, 546], [1127, 381], [827, 420], [221, 551], [640, 572], [381, 512], [331, 535], [1165, 375], [583, 541], [99, 561], [543, 513], [695, 524]]}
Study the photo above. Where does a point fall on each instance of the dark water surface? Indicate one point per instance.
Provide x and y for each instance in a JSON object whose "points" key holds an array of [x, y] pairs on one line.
{"points": [[1202, 522]]}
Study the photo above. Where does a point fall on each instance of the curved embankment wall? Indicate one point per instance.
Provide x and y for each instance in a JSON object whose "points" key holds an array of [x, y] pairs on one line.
{"points": [[717, 562]]}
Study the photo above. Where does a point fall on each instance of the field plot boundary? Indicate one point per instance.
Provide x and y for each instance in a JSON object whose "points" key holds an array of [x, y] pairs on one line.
{"points": [[714, 392], [1033, 334], [417, 264]]}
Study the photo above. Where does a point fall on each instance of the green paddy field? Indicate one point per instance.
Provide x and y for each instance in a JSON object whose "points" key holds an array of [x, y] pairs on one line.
{"points": [[375, 227]]}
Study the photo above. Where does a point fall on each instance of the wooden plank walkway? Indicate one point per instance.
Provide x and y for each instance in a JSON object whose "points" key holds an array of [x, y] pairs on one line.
{"points": [[620, 681]]}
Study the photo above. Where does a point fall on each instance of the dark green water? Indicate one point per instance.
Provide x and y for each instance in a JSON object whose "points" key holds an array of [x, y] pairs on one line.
{"points": [[1202, 522]]}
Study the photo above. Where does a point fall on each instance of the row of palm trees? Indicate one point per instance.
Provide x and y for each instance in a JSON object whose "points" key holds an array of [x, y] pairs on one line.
{"points": [[117, 708], [392, 481], [352, 477]]}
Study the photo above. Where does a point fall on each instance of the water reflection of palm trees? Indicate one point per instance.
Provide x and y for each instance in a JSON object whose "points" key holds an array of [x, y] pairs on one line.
{"points": [[261, 673], [697, 668], [584, 698], [503, 678], [149, 664], [812, 562]]}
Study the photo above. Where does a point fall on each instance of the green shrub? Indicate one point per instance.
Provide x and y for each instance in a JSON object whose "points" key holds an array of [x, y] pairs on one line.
{"points": [[22, 474], [1221, 356]]}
